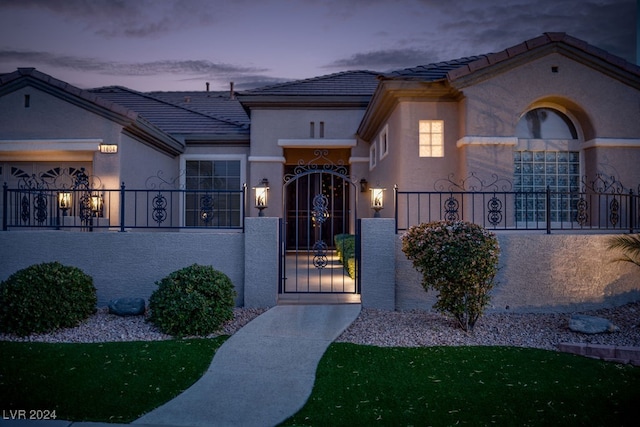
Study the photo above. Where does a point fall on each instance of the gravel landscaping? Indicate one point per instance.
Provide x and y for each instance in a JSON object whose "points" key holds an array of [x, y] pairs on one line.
{"points": [[387, 328]]}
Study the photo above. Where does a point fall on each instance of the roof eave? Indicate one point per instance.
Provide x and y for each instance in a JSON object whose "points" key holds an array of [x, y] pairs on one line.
{"points": [[392, 91], [304, 101], [561, 43], [216, 139]]}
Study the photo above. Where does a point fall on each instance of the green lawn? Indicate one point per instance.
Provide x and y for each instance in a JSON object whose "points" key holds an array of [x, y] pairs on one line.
{"points": [[356, 385], [113, 382], [443, 386]]}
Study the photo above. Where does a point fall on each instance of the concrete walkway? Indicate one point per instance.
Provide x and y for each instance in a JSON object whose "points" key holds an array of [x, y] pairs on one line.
{"points": [[260, 376]]}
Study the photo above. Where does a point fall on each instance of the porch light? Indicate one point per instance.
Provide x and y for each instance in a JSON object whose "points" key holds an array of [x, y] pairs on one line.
{"points": [[64, 201], [262, 195], [96, 205], [377, 200], [364, 185]]}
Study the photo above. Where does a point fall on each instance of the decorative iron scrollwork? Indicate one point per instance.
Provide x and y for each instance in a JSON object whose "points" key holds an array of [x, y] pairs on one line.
{"points": [[206, 208], [451, 207], [159, 213], [473, 183], [25, 209], [494, 206], [320, 162], [614, 212], [37, 187], [320, 254], [159, 182], [602, 184], [40, 208], [320, 211], [581, 211]]}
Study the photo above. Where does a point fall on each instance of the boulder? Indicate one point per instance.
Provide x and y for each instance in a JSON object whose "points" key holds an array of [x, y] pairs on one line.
{"points": [[127, 306], [590, 324]]}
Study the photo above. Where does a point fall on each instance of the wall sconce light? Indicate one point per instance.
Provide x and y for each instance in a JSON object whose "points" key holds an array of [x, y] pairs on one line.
{"points": [[262, 195], [377, 200], [96, 205], [364, 185], [64, 201]]}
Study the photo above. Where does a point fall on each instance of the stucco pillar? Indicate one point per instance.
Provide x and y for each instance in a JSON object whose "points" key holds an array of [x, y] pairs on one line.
{"points": [[261, 262], [377, 265]]}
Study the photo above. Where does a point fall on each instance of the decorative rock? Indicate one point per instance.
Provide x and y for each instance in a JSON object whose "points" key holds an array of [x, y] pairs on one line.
{"points": [[127, 306], [590, 324]]}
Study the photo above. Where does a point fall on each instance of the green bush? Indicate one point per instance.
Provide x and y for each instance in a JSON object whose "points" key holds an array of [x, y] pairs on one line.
{"points": [[195, 300], [459, 260], [45, 297], [346, 251]]}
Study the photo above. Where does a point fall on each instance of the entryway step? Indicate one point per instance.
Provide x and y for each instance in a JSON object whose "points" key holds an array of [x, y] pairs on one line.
{"points": [[311, 299]]}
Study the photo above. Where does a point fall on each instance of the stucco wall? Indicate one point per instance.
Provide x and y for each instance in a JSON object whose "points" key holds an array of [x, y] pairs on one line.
{"points": [[539, 272], [494, 106], [125, 264], [49, 117]]}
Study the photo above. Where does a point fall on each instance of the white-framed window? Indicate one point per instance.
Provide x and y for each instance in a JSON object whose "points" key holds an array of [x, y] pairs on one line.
{"points": [[372, 155], [431, 138], [384, 142], [213, 185]]}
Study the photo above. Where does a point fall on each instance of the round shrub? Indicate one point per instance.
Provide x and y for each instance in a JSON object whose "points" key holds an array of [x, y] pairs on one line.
{"points": [[45, 297], [196, 300], [458, 259]]}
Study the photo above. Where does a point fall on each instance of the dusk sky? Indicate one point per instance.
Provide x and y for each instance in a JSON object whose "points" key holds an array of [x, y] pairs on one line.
{"points": [[181, 44]]}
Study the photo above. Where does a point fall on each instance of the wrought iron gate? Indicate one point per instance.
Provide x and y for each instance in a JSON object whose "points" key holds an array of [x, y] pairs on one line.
{"points": [[319, 204]]}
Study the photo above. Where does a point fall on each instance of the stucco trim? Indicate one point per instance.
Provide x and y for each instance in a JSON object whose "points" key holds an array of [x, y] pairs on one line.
{"points": [[613, 142], [317, 143], [267, 159], [358, 160], [50, 145], [487, 140]]}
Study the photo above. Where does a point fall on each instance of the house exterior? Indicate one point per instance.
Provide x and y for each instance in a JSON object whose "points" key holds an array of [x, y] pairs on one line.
{"points": [[551, 114], [550, 100]]}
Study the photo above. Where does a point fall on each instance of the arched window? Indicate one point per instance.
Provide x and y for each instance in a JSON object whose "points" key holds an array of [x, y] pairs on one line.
{"points": [[546, 156], [545, 123]]}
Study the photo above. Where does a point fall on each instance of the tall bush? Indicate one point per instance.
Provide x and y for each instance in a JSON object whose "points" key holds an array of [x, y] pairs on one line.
{"points": [[195, 300], [346, 251], [459, 260], [45, 297]]}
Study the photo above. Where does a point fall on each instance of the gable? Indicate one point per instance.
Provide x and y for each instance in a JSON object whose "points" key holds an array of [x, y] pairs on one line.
{"points": [[34, 105]]}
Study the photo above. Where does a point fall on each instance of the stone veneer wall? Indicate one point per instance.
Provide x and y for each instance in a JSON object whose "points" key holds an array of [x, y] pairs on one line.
{"points": [[540, 272]]}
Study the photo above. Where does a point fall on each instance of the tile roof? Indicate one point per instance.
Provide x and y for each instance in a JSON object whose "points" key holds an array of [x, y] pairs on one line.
{"points": [[432, 72], [458, 68], [214, 104], [346, 83], [206, 116]]}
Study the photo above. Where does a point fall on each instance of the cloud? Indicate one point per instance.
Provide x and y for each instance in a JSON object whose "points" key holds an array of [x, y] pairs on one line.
{"points": [[607, 24], [384, 60], [151, 68], [126, 18], [240, 81]]}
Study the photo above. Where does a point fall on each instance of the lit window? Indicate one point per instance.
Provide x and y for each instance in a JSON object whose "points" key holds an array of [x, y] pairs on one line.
{"points": [[431, 138]]}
